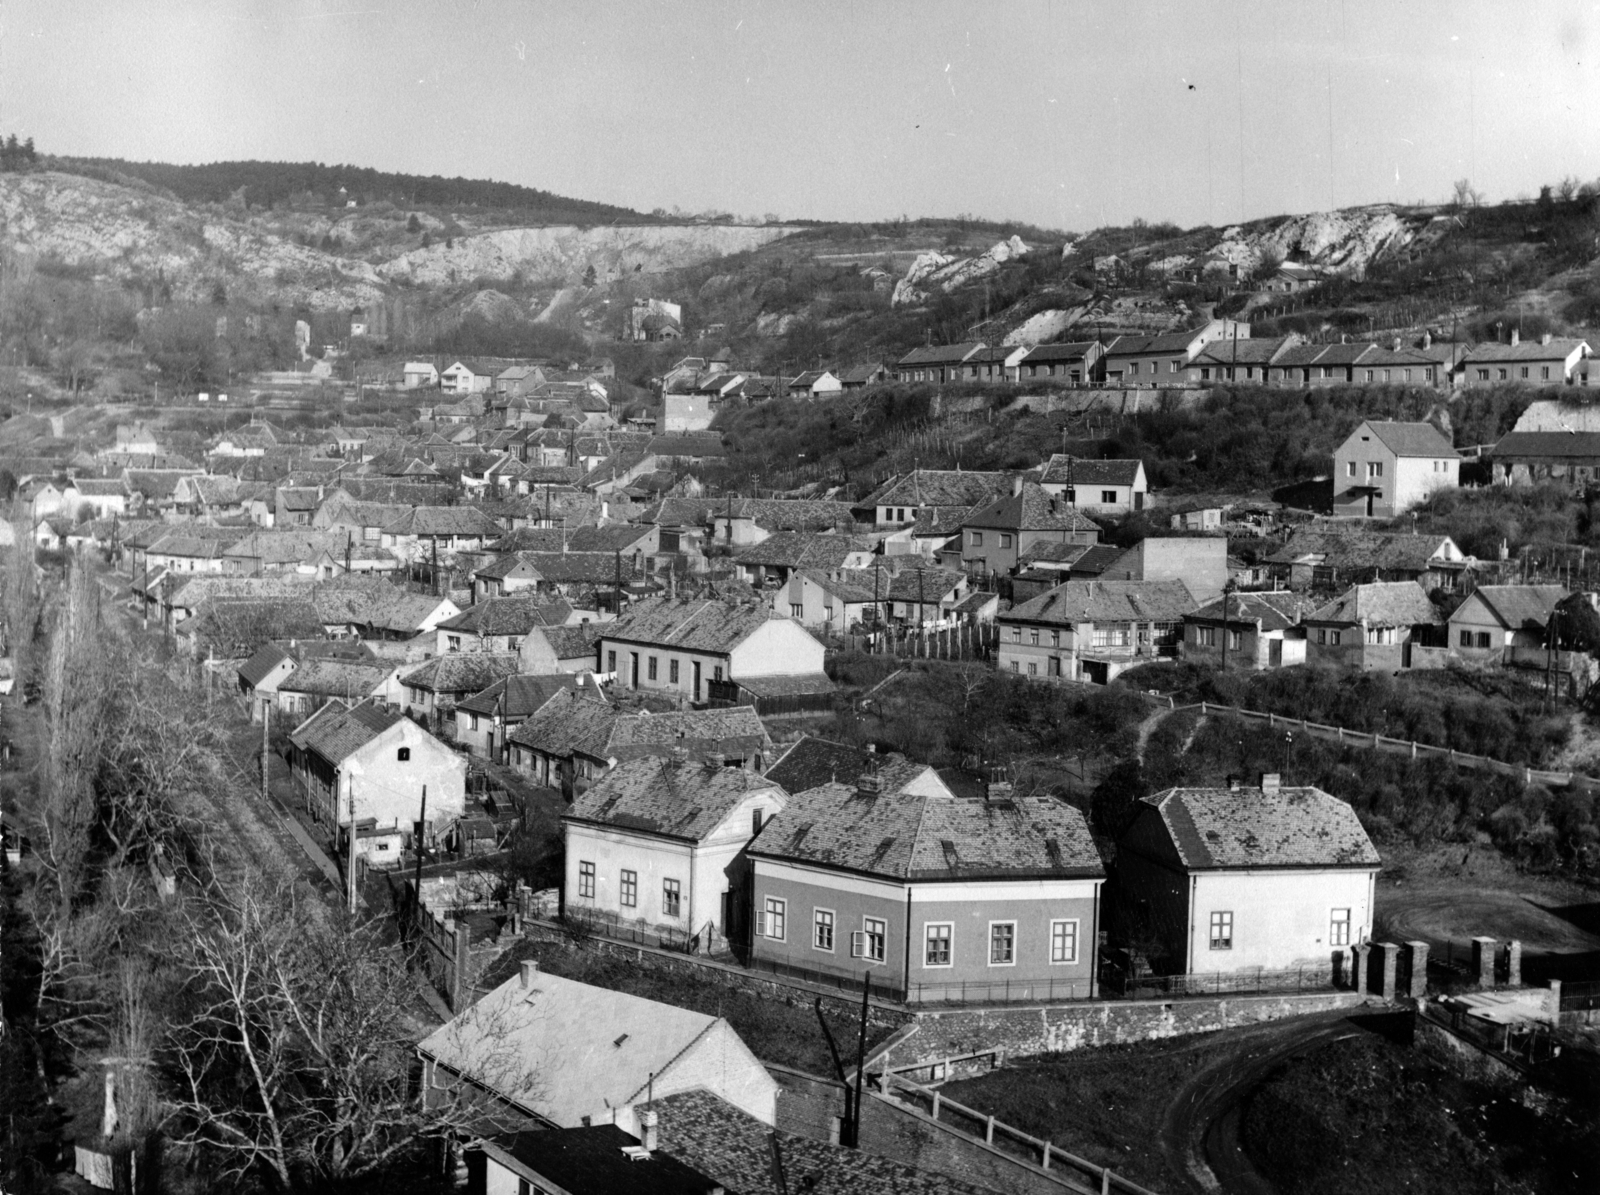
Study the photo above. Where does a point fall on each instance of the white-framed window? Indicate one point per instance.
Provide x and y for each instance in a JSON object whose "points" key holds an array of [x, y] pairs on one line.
{"points": [[871, 940], [936, 937], [1222, 930], [671, 898], [1112, 634], [977, 539], [1339, 927], [1002, 943], [1016, 667], [1033, 668], [586, 880], [1005, 540], [1235, 640], [796, 610], [1334, 637], [652, 667], [1205, 636], [629, 893], [1374, 468], [1108, 496], [1064, 941], [822, 922], [453, 642], [472, 721], [672, 671], [1033, 636], [772, 918], [1349, 468]]}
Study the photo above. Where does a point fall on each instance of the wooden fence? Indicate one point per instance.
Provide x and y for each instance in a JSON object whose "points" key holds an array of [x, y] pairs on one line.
{"points": [[1375, 741]]}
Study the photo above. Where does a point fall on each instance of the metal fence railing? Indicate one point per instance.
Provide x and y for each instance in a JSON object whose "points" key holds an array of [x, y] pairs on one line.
{"points": [[1045, 991], [1115, 983], [1580, 996]]}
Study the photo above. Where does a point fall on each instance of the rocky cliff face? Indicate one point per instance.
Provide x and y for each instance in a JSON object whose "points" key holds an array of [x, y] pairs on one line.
{"points": [[940, 271]]}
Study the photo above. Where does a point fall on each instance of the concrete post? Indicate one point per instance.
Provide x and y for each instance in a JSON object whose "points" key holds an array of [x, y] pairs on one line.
{"points": [[1361, 972], [1419, 969], [1483, 961], [1390, 964], [1514, 963], [1552, 1002]]}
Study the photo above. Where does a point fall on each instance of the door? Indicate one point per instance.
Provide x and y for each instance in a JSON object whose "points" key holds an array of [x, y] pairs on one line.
{"points": [[1138, 501], [697, 680], [633, 668], [1275, 653]]}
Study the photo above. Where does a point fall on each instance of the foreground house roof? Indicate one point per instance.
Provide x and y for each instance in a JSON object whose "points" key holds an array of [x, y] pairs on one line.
{"points": [[693, 624], [1107, 601], [1380, 604], [1285, 827], [336, 731], [678, 798]]}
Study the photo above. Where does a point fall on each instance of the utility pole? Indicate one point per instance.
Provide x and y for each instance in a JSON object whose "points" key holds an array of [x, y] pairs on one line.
{"points": [[350, 868], [1227, 593], [266, 749], [422, 830]]}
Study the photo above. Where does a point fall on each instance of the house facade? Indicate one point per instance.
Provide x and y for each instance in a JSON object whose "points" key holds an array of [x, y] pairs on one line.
{"points": [[1253, 631], [1494, 618], [1105, 487], [1233, 879], [1549, 361], [997, 535], [1373, 627], [1093, 630], [1384, 469]]}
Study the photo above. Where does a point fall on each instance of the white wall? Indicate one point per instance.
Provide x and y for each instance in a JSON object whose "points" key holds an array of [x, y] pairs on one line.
{"points": [[390, 789], [1280, 918], [779, 647]]}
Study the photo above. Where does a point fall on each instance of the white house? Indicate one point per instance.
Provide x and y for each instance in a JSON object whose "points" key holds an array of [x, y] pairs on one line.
{"points": [[1108, 487], [659, 841], [1497, 617], [418, 374], [565, 1054], [684, 644], [1384, 469], [1232, 879], [462, 378], [371, 760]]}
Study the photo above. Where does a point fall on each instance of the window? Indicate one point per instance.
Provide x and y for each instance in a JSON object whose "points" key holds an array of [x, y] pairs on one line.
{"points": [[1500, 374], [1033, 668], [453, 642], [796, 610], [1002, 943], [1374, 468], [1483, 375], [611, 661], [1055, 638], [1063, 941], [1015, 667], [403, 754], [1481, 639], [1173, 366], [1235, 640], [757, 820], [770, 920], [1523, 371], [1016, 634], [1466, 639], [586, 880], [1369, 375], [1205, 636], [822, 930], [1349, 468], [1339, 928], [630, 889], [672, 671], [936, 944], [1112, 634], [1222, 931], [1033, 636], [977, 539], [1544, 372], [671, 898], [1334, 637], [870, 942], [472, 721]]}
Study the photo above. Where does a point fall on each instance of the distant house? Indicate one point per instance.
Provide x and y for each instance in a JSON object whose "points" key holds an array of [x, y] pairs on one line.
{"points": [[831, 600], [1293, 278], [1163, 360], [1239, 360], [935, 363], [996, 364], [445, 528], [371, 759], [1105, 487], [318, 679], [1546, 362], [376, 609], [659, 841], [683, 645], [1200, 562], [464, 377], [1373, 627], [1093, 630], [906, 497], [1076, 363], [262, 673], [1326, 556], [775, 558], [1526, 458], [997, 535], [418, 374], [1249, 630], [1384, 469], [994, 898], [1494, 618], [815, 383], [810, 761], [432, 690], [499, 624], [1234, 879], [859, 376], [484, 720], [566, 1054]]}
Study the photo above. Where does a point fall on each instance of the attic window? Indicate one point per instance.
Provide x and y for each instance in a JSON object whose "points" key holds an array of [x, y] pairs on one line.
{"points": [[403, 754]]}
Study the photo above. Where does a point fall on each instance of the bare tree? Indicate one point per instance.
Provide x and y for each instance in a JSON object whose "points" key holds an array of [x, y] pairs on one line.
{"points": [[294, 1065]]}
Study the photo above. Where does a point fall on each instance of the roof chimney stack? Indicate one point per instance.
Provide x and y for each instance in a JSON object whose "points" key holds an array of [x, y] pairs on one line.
{"points": [[1396, 344], [1544, 338], [716, 760], [680, 755], [1016, 486], [868, 785], [1271, 782], [530, 968], [1427, 339], [647, 1129], [1233, 784], [1516, 335]]}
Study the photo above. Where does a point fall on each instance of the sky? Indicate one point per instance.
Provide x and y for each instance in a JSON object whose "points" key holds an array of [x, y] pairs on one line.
{"points": [[1067, 115]]}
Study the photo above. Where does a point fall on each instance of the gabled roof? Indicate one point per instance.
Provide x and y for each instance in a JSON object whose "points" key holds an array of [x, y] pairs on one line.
{"points": [[1380, 604], [1034, 509], [374, 602], [1527, 350], [1107, 601], [940, 354], [1573, 445], [590, 1158], [515, 615], [1356, 550], [1228, 353], [445, 520], [660, 795], [1275, 611], [577, 725], [352, 679], [1520, 606], [462, 672], [801, 549], [693, 624], [1045, 354], [519, 696], [1141, 346], [938, 487], [1214, 828], [811, 762], [1411, 439], [337, 731], [906, 837]]}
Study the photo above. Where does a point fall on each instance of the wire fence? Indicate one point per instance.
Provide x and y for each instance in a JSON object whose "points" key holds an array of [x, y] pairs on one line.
{"points": [[1117, 983]]}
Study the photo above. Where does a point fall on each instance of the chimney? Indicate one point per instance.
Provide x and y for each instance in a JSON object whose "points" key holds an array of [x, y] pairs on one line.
{"points": [[647, 1129], [868, 785], [1427, 340], [716, 760], [1016, 486], [1271, 782], [1544, 338], [1396, 344], [998, 790], [1344, 338], [530, 968], [1516, 335], [680, 755], [1233, 784], [872, 748]]}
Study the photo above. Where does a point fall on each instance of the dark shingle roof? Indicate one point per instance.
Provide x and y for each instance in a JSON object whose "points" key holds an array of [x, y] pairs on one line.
{"points": [[1033, 510], [1578, 445], [908, 837], [1519, 606], [445, 520], [1274, 611], [811, 762], [695, 624], [1107, 601], [803, 549], [462, 672], [1357, 550], [336, 731], [590, 1158], [1527, 350], [1047, 353], [939, 487], [941, 354], [513, 615], [519, 696], [1060, 469], [1412, 439], [336, 678], [1286, 827], [1382, 603], [678, 798]]}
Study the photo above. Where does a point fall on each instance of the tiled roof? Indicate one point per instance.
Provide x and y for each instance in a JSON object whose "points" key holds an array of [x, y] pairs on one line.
{"points": [[803, 684], [677, 798], [570, 568], [518, 696], [514, 615], [921, 584], [693, 624], [1107, 601], [445, 520], [1228, 353], [1527, 350], [687, 444], [811, 762], [1357, 550], [1035, 509], [1569, 445], [336, 731], [193, 589], [336, 678], [803, 549], [1047, 353], [259, 666], [1519, 606], [590, 1158], [361, 602], [1274, 611], [1412, 439], [581, 726], [751, 1158], [236, 627], [940, 354], [786, 514], [462, 672], [1286, 827], [571, 643], [939, 487], [290, 546], [908, 837], [1382, 604], [1061, 468], [1139, 346]]}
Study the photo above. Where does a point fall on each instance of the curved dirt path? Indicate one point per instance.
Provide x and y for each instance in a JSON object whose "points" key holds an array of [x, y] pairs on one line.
{"points": [[1552, 947]]}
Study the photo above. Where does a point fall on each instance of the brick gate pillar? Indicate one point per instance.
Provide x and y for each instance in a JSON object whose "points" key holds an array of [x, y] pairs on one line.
{"points": [[1483, 961], [1419, 969], [1390, 965]]}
